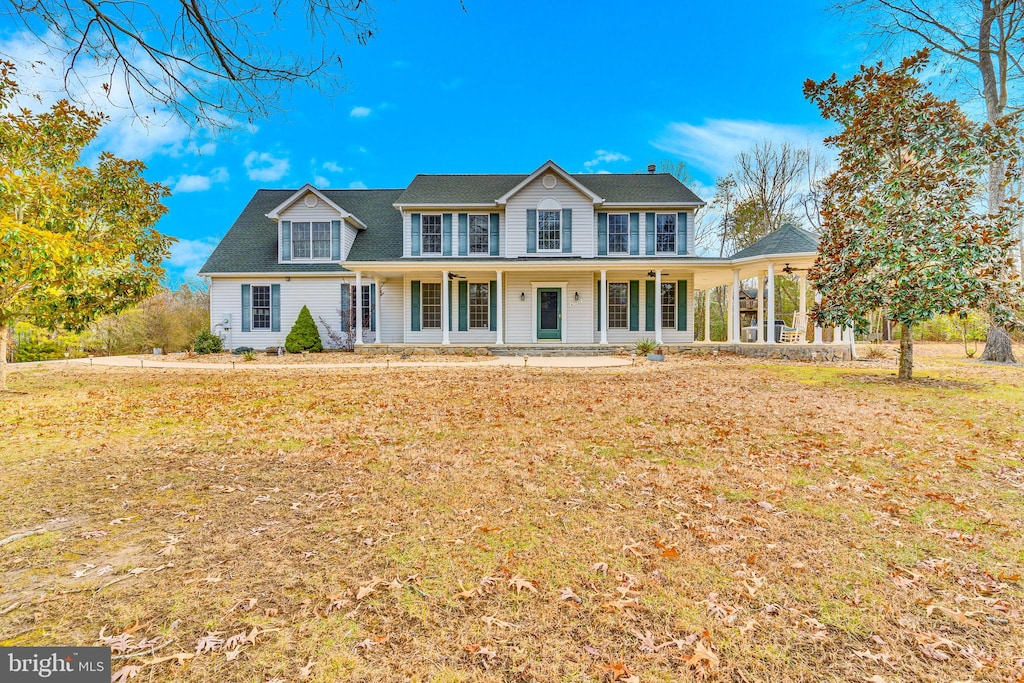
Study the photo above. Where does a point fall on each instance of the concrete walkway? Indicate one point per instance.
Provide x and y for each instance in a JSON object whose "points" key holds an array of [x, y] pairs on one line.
{"points": [[152, 362]]}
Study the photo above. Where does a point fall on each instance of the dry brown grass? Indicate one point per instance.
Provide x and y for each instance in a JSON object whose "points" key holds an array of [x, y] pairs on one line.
{"points": [[710, 517]]}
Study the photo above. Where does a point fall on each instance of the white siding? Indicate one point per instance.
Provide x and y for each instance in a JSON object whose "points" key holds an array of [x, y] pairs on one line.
{"points": [[390, 313], [584, 231], [348, 236], [521, 316], [298, 211], [321, 294]]}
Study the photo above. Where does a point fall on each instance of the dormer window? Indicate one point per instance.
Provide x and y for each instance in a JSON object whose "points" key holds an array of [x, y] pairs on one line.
{"points": [[311, 240]]}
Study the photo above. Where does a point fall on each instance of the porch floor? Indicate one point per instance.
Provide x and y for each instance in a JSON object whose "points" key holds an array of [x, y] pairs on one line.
{"points": [[804, 351]]}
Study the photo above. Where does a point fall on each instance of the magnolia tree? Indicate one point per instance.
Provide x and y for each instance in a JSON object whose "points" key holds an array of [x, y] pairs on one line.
{"points": [[905, 227], [76, 241]]}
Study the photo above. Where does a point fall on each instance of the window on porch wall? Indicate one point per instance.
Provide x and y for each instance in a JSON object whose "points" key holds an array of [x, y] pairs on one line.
{"points": [[668, 305], [618, 305], [430, 305], [479, 306]]}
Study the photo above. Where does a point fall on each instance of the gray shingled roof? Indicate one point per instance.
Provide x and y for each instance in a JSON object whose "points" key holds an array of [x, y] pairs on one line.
{"points": [[485, 188], [788, 239], [250, 246]]}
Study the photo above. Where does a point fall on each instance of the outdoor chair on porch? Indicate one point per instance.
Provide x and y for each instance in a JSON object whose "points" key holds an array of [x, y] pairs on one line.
{"points": [[797, 334]]}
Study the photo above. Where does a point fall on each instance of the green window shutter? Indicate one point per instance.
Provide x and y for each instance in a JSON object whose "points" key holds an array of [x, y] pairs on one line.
{"points": [[463, 234], [531, 231], [463, 305], [650, 234], [634, 305], [415, 236], [286, 240], [566, 231], [449, 303], [649, 306], [414, 309], [680, 233], [495, 235], [681, 305], [344, 304], [275, 308], [492, 300], [336, 240], [634, 234], [602, 234], [446, 234], [373, 307], [246, 308], [597, 288]]}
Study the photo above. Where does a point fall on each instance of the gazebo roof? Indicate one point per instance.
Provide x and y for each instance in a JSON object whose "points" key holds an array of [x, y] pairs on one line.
{"points": [[788, 239]]}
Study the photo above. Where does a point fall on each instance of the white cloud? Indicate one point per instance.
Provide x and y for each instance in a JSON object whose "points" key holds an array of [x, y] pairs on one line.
{"points": [[333, 167], [713, 146], [605, 157], [360, 112], [265, 166], [189, 256], [220, 175], [321, 181], [357, 185], [192, 183]]}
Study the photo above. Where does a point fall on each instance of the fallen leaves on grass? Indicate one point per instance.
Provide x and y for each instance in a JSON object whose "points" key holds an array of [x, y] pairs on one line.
{"points": [[519, 584]]}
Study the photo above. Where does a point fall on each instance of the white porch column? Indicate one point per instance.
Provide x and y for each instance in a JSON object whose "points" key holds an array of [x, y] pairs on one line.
{"points": [[604, 307], [760, 309], [499, 308], [803, 292], [771, 304], [707, 315], [817, 328], [734, 306], [837, 335], [359, 308], [376, 311], [657, 307], [445, 288]]}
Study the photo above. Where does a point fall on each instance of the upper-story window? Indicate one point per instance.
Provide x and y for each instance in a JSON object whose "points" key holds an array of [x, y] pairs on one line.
{"points": [[311, 240], [479, 234], [549, 230], [666, 239], [430, 230], [618, 233]]}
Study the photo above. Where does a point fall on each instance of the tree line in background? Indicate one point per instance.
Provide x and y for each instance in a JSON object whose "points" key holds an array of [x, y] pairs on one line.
{"points": [[170, 320]]}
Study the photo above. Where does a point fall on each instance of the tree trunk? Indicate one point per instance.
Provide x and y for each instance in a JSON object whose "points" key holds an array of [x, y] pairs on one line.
{"points": [[4, 329], [906, 352], [998, 346]]}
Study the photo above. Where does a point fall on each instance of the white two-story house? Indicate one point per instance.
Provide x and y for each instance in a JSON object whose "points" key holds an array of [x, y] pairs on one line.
{"points": [[487, 260]]}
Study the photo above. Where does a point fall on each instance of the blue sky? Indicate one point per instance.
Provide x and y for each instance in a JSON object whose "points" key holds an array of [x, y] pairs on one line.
{"points": [[504, 86]]}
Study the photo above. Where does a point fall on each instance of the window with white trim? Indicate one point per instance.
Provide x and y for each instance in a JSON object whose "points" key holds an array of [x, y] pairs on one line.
{"points": [[549, 230], [430, 305], [479, 306], [367, 307], [479, 233], [261, 307], [668, 304], [618, 305], [618, 233], [666, 238], [430, 232], [311, 240]]}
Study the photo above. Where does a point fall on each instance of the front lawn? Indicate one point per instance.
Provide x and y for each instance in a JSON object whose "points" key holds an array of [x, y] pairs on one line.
{"points": [[716, 517]]}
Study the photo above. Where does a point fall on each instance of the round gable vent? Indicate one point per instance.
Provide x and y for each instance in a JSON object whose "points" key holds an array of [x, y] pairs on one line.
{"points": [[310, 200], [550, 181]]}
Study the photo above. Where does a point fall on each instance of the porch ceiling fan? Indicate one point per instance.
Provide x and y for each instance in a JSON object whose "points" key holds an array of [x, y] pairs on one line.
{"points": [[453, 276], [789, 270], [651, 273]]}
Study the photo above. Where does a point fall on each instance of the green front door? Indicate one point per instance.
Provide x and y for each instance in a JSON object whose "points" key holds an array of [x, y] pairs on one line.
{"points": [[549, 313]]}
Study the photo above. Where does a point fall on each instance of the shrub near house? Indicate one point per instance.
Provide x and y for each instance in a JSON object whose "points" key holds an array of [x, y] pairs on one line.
{"points": [[304, 335]]}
